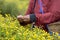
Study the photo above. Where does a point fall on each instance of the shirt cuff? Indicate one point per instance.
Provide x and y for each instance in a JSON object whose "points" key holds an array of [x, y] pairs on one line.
{"points": [[32, 18]]}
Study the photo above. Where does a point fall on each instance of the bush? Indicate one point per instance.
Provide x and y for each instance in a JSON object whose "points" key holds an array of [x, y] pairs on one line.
{"points": [[10, 29], [13, 7]]}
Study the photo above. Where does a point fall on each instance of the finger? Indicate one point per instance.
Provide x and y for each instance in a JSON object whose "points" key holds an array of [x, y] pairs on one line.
{"points": [[26, 18], [20, 18]]}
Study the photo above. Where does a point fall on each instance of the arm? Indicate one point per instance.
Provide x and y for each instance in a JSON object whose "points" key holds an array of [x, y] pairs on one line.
{"points": [[23, 20], [47, 17], [30, 7], [51, 16]]}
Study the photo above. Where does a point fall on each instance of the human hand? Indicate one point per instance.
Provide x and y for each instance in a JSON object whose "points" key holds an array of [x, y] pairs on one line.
{"points": [[20, 18], [24, 20]]}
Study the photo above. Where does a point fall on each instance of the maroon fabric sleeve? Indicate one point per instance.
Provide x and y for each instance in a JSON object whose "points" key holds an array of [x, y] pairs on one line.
{"points": [[52, 15], [30, 7], [47, 17]]}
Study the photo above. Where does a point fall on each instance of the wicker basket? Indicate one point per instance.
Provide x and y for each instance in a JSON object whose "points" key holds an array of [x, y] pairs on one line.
{"points": [[55, 27]]}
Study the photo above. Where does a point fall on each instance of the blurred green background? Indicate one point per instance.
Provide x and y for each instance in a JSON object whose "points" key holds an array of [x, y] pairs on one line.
{"points": [[13, 7]]}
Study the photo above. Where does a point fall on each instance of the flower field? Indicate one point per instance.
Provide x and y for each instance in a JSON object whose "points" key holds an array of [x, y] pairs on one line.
{"points": [[10, 29]]}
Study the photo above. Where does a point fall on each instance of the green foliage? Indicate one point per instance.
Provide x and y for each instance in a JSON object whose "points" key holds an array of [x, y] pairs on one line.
{"points": [[10, 29], [13, 7]]}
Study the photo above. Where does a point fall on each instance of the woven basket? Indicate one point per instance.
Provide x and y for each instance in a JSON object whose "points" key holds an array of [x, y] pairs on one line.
{"points": [[55, 27]]}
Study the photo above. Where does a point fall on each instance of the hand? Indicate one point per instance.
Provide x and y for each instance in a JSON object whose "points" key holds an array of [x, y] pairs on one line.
{"points": [[20, 18], [24, 20]]}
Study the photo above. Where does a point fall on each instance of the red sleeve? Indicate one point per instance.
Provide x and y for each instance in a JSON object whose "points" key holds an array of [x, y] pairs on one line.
{"points": [[30, 7], [47, 17]]}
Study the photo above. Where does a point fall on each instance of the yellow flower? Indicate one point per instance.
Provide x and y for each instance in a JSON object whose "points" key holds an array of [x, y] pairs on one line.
{"points": [[11, 38], [7, 33], [48, 39], [35, 36], [43, 38], [56, 33], [38, 38], [30, 39], [20, 33], [58, 37]]}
